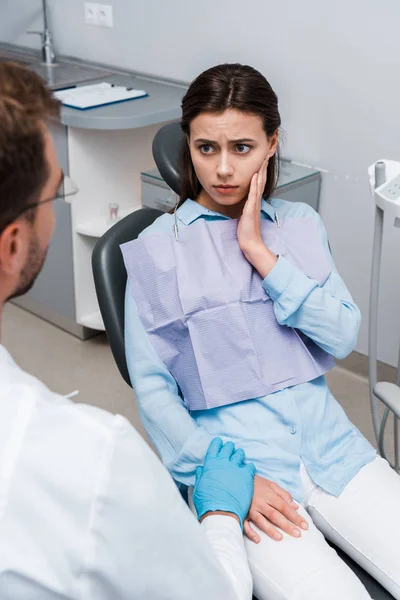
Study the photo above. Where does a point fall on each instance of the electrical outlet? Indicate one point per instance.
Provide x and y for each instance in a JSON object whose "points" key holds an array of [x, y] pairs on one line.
{"points": [[391, 191], [91, 13], [105, 15]]}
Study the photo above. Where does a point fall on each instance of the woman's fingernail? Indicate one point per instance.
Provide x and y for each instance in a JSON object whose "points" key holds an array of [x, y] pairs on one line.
{"points": [[294, 504], [296, 533], [278, 537], [304, 525]]}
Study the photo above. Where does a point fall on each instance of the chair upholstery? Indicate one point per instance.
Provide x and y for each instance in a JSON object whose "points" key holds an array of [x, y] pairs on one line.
{"points": [[166, 149], [110, 278]]}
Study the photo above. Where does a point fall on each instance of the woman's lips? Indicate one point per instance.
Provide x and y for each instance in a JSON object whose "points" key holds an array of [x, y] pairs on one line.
{"points": [[226, 190]]}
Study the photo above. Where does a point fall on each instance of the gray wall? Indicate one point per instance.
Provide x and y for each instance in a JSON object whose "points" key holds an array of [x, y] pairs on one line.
{"points": [[334, 66]]}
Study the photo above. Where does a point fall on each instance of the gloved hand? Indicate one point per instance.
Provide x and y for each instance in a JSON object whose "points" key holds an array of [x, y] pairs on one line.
{"points": [[224, 482]]}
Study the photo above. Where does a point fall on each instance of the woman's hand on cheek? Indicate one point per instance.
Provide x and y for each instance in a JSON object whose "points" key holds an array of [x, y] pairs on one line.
{"points": [[272, 507], [249, 226]]}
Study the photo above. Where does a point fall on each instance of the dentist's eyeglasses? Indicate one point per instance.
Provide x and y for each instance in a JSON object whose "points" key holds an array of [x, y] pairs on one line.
{"points": [[66, 189]]}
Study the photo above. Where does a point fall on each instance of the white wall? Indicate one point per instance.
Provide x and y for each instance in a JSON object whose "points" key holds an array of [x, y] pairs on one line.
{"points": [[334, 66]]}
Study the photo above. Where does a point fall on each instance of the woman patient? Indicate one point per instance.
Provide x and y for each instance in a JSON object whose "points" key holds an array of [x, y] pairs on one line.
{"points": [[234, 313]]}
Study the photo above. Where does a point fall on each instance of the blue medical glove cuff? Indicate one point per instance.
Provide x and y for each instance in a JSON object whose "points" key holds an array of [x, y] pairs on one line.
{"points": [[219, 508]]}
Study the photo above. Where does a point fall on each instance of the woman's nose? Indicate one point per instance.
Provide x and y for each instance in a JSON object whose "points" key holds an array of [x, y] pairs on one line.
{"points": [[224, 166]]}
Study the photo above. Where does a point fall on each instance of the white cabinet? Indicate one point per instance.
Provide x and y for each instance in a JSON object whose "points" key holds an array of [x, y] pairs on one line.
{"points": [[104, 151], [106, 167], [53, 294]]}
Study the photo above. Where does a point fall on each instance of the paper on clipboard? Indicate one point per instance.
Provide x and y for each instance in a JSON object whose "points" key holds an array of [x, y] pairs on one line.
{"points": [[97, 94]]}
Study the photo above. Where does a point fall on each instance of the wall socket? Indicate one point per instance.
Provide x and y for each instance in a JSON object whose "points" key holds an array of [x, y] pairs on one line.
{"points": [[98, 14], [105, 15]]}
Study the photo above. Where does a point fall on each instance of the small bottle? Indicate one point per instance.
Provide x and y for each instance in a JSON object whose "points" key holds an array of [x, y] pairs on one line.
{"points": [[113, 217]]}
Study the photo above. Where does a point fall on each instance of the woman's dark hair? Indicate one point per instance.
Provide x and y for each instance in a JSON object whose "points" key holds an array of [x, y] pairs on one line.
{"points": [[228, 86]]}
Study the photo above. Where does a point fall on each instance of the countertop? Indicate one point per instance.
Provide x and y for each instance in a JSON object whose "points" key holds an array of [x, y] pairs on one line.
{"points": [[163, 102]]}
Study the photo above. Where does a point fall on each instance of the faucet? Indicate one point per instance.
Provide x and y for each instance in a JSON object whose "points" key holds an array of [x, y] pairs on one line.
{"points": [[48, 55]]}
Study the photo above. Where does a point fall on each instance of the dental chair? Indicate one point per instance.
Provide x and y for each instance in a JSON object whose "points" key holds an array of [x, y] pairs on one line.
{"points": [[110, 282]]}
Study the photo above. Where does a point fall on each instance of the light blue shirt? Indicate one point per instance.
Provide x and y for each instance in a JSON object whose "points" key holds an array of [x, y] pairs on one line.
{"points": [[278, 431]]}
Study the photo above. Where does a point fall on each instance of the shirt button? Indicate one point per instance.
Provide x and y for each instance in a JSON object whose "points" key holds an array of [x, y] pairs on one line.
{"points": [[293, 430]]}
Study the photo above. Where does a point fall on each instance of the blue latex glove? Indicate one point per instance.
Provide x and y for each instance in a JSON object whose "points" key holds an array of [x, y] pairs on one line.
{"points": [[224, 482]]}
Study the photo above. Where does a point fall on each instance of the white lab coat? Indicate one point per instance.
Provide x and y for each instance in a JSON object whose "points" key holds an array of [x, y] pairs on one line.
{"points": [[87, 511]]}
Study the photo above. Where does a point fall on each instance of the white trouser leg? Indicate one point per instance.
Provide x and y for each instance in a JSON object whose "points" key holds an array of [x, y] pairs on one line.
{"points": [[364, 521], [301, 569]]}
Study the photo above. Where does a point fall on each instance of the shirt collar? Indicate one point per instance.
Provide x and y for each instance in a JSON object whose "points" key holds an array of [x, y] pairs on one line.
{"points": [[190, 210], [5, 355], [268, 209]]}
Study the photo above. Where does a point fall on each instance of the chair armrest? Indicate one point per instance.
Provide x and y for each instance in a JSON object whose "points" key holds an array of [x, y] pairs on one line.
{"points": [[389, 394]]}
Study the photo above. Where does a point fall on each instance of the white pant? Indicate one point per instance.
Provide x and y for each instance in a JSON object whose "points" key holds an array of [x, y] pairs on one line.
{"points": [[364, 521]]}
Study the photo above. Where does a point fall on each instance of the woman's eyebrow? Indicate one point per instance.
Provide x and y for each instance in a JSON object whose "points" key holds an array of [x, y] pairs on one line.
{"points": [[239, 141], [242, 141]]}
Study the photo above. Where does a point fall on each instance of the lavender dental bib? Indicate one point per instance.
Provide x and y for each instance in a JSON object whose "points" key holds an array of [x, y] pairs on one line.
{"points": [[209, 318]]}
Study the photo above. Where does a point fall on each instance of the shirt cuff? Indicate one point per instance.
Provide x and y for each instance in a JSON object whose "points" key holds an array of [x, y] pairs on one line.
{"points": [[279, 278], [222, 523]]}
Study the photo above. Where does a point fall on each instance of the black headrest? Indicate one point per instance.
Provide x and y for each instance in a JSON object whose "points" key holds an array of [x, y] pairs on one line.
{"points": [[166, 149]]}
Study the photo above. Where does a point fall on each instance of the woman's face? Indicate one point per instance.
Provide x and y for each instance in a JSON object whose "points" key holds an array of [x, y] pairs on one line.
{"points": [[226, 150]]}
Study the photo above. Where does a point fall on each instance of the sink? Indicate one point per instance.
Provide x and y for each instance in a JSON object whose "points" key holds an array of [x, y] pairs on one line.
{"points": [[59, 75], [62, 74]]}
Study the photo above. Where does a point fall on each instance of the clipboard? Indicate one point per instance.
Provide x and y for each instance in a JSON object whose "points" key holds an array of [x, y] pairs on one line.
{"points": [[86, 97]]}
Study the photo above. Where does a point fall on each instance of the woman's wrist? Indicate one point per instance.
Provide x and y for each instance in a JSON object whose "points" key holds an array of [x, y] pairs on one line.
{"points": [[262, 259]]}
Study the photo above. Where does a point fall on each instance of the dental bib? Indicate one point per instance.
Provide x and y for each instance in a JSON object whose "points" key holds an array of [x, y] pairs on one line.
{"points": [[208, 316]]}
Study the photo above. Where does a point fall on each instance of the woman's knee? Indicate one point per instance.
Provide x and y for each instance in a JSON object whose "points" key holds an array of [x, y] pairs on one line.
{"points": [[301, 569]]}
